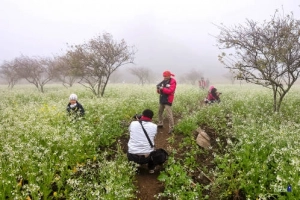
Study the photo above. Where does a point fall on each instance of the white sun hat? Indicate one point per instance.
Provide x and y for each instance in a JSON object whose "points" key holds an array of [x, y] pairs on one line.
{"points": [[73, 97]]}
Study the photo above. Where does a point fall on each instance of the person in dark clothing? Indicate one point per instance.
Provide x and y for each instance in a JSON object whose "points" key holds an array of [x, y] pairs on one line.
{"points": [[166, 90], [74, 107]]}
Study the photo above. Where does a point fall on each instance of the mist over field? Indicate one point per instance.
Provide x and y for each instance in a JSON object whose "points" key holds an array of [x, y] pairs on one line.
{"points": [[169, 35]]}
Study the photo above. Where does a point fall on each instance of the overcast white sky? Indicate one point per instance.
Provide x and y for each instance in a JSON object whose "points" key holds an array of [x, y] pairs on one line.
{"points": [[169, 34]]}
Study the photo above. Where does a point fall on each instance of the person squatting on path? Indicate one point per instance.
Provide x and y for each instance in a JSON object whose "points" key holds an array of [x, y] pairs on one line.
{"points": [[166, 89], [74, 108], [213, 96], [139, 148]]}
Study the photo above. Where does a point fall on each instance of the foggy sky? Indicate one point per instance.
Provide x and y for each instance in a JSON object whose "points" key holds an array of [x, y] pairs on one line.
{"points": [[168, 34]]}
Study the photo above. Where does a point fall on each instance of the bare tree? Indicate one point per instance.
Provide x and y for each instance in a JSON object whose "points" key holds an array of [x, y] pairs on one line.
{"points": [[192, 77], [9, 73], [37, 71], [266, 54], [98, 59], [64, 70], [230, 76], [142, 73]]}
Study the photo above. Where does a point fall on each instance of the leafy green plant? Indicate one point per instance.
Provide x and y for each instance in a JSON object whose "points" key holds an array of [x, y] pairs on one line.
{"points": [[46, 155], [178, 185]]}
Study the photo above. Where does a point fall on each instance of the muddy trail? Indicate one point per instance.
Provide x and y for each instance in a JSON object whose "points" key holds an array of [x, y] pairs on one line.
{"points": [[147, 184]]}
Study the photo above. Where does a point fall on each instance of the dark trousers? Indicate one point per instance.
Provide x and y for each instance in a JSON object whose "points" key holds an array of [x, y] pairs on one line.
{"points": [[141, 159]]}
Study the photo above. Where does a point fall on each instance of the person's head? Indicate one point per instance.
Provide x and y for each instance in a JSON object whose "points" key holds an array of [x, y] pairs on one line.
{"points": [[73, 99], [214, 90], [167, 75], [211, 87], [148, 113]]}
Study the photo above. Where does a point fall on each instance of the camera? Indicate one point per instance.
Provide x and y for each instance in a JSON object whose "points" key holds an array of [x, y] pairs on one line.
{"points": [[137, 116]]}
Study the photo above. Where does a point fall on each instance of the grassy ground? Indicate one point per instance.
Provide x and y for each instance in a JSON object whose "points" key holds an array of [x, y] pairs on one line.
{"points": [[47, 155]]}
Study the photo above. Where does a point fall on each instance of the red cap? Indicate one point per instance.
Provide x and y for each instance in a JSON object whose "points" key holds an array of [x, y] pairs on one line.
{"points": [[167, 74]]}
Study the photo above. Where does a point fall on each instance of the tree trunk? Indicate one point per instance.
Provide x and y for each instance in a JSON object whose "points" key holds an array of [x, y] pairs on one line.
{"points": [[104, 85], [42, 88], [274, 102]]}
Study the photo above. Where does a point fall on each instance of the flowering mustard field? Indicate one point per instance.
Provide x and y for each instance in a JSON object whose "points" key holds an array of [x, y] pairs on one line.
{"points": [[45, 154]]}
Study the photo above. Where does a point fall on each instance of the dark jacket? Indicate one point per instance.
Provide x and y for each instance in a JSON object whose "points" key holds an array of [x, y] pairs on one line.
{"points": [[166, 89], [77, 110]]}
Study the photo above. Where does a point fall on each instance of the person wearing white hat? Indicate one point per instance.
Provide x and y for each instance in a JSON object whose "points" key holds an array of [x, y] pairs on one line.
{"points": [[74, 107]]}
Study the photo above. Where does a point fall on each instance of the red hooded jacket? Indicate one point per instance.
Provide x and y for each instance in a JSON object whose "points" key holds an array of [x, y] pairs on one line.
{"points": [[167, 91]]}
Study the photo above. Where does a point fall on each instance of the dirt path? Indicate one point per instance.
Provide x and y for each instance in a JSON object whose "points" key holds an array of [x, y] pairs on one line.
{"points": [[147, 184]]}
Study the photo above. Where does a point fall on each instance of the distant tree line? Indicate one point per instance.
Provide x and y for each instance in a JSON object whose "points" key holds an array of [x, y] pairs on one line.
{"points": [[90, 64]]}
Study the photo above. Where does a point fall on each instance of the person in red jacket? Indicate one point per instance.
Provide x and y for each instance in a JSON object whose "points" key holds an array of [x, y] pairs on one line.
{"points": [[166, 90], [213, 96]]}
